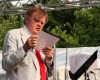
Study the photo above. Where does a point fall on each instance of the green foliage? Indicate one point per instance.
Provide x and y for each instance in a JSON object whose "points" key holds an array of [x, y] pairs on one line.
{"points": [[76, 27], [60, 18], [86, 26], [7, 23], [66, 39], [79, 27]]}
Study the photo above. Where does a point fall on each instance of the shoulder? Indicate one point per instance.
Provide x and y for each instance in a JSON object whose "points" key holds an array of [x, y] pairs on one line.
{"points": [[13, 33]]}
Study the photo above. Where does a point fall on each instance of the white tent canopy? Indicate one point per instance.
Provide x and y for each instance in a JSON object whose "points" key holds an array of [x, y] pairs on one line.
{"points": [[61, 54]]}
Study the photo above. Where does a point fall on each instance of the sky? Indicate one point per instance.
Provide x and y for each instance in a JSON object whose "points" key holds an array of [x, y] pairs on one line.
{"points": [[21, 1]]}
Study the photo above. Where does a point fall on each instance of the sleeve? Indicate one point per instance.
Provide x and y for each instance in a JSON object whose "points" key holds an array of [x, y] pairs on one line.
{"points": [[49, 65], [11, 55]]}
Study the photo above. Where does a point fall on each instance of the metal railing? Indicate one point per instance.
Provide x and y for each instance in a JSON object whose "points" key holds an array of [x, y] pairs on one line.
{"points": [[17, 7]]}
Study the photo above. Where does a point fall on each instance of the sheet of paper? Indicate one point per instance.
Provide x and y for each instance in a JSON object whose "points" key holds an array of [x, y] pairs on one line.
{"points": [[46, 39], [78, 60]]}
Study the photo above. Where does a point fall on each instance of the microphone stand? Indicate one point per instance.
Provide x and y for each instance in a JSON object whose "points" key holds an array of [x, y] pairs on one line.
{"points": [[85, 75]]}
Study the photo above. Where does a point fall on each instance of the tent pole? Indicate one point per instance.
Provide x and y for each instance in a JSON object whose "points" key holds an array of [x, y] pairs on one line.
{"points": [[54, 59]]}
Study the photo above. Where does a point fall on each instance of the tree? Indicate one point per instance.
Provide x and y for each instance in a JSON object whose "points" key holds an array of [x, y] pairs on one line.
{"points": [[60, 18], [66, 40], [8, 23], [86, 27]]}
